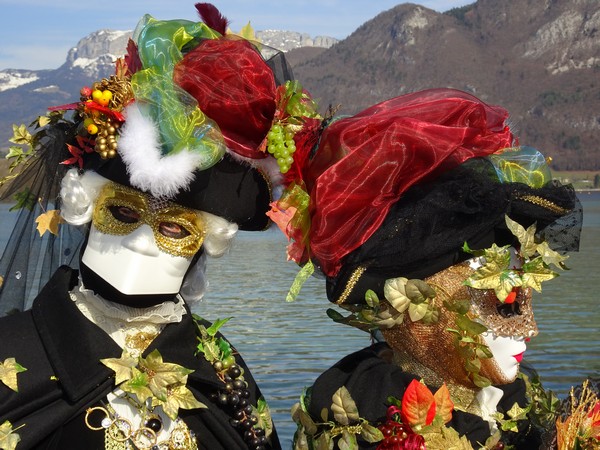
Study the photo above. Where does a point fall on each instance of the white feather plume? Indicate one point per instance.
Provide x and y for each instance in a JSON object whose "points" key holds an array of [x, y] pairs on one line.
{"points": [[149, 170]]}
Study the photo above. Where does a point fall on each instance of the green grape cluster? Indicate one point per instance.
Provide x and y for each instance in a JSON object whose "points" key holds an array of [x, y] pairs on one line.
{"points": [[280, 143]]}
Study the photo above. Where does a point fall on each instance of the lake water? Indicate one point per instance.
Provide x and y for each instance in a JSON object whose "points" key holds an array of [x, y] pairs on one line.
{"points": [[287, 345]]}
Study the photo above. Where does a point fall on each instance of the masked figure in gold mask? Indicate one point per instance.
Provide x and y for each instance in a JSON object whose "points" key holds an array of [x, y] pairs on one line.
{"points": [[160, 166]]}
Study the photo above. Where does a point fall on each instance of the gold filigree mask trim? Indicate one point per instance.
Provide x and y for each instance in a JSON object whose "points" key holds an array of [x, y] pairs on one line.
{"points": [[120, 210]]}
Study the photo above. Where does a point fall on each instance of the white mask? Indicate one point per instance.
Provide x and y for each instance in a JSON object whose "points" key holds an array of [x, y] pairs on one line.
{"points": [[133, 264], [507, 353]]}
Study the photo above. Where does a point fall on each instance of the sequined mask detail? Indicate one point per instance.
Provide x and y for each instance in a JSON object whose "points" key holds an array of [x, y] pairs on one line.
{"points": [[503, 319], [120, 210]]}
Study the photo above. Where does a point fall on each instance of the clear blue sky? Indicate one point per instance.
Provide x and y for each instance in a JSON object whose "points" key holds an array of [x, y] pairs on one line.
{"points": [[37, 34]]}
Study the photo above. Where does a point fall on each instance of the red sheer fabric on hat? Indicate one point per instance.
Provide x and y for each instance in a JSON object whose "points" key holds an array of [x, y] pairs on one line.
{"points": [[364, 163], [234, 87]]}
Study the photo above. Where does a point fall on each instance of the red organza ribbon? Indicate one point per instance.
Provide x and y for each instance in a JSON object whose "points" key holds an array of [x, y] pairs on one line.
{"points": [[364, 163], [234, 87]]}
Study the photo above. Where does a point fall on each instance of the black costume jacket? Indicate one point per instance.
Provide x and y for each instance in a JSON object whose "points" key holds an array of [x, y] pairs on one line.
{"points": [[370, 379], [61, 350]]}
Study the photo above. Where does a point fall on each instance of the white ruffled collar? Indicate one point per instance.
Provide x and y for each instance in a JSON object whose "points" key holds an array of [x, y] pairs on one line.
{"points": [[161, 314], [131, 328]]}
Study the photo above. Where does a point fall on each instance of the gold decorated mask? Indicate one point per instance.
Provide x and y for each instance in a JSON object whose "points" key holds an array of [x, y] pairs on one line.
{"points": [[119, 210]]}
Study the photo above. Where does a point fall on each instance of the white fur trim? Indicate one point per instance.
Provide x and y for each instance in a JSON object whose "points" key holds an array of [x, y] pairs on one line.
{"points": [[149, 170]]}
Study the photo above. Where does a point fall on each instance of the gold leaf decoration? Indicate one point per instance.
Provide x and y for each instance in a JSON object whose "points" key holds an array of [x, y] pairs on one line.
{"points": [[49, 221], [8, 373], [343, 407], [122, 366], [8, 438]]}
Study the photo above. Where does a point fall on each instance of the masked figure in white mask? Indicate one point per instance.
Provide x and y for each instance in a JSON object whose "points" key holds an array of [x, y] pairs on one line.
{"points": [[164, 172]]}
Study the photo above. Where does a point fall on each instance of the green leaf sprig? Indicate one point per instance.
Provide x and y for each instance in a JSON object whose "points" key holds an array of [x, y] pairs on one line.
{"points": [[214, 348], [402, 296], [344, 429], [497, 273], [467, 342], [23, 153]]}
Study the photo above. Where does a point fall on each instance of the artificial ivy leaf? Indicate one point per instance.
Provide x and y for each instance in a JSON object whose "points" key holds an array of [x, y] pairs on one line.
{"points": [[370, 433], [418, 405], [417, 311], [138, 385], [470, 326], [526, 237], [343, 407], [347, 441], [178, 397], [224, 347], [21, 135], [8, 373], [210, 350], [43, 121], [24, 199], [294, 411], [394, 291], [443, 403], [483, 352], [163, 374], [535, 272], [335, 315], [214, 328], [458, 306], [14, 152], [480, 381], [518, 413], [247, 32], [550, 256], [8, 438], [432, 315], [386, 318], [300, 440], [372, 299], [493, 440], [324, 414], [497, 260], [263, 414], [306, 421], [509, 279], [49, 221], [122, 366], [324, 442], [418, 291], [473, 365]]}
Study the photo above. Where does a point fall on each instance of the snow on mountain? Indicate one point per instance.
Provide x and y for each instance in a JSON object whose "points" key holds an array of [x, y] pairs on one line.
{"points": [[11, 78]]}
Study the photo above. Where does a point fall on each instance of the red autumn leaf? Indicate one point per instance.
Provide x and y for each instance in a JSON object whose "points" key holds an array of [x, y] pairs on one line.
{"points": [[511, 297], [418, 405], [76, 159], [443, 403]]}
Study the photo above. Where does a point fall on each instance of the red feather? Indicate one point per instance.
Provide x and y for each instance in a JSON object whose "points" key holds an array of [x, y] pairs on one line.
{"points": [[212, 17], [132, 58]]}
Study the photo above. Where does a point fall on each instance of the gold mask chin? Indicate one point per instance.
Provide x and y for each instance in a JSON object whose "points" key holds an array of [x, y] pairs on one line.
{"points": [[119, 210], [429, 350]]}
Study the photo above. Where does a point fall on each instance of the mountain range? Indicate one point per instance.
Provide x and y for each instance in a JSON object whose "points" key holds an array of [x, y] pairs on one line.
{"points": [[540, 59]]}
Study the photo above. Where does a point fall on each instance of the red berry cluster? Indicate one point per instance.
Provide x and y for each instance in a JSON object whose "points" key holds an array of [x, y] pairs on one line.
{"points": [[397, 436]]}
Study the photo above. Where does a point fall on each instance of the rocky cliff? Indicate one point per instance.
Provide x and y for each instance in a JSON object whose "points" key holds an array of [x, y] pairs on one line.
{"points": [[538, 58]]}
